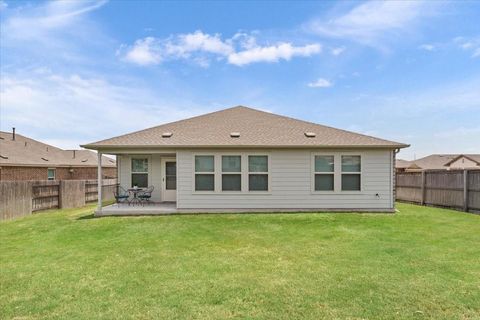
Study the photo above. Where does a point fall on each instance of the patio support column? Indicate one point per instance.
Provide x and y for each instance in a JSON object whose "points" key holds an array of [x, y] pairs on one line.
{"points": [[99, 180]]}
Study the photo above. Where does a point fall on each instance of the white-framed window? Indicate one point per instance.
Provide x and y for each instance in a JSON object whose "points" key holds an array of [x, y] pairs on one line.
{"points": [[204, 173], [231, 173], [140, 172], [51, 174], [258, 173], [324, 173], [351, 172]]}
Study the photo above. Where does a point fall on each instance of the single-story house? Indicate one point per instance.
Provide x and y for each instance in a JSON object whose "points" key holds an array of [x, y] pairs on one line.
{"points": [[23, 158], [440, 162], [242, 159]]}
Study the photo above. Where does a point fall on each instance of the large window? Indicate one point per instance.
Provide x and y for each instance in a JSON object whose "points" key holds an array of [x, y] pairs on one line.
{"points": [[50, 174], [351, 173], [258, 173], [204, 173], [324, 172], [231, 173], [140, 172]]}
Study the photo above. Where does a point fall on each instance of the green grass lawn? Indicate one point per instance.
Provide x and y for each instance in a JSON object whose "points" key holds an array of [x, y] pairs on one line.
{"points": [[421, 263]]}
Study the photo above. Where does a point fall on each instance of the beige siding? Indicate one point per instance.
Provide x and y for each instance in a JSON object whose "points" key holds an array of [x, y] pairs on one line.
{"points": [[124, 177], [291, 184], [155, 177]]}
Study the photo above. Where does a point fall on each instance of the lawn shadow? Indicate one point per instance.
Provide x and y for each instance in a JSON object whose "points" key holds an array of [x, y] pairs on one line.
{"points": [[86, 217]]}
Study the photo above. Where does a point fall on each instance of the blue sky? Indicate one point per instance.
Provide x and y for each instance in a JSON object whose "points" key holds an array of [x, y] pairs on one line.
{"points": [[77, 72]]}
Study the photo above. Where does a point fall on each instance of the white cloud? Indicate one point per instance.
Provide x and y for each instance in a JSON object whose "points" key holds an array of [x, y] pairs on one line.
{"points": [[150, 51], [246, 41], [282, 51], [427, 47], [469, 45], [59, 31], [82, 109], [372, 22], [143, 52], [320, 83], [31, 21], [199, 47], [337, 51], [198, 41]]}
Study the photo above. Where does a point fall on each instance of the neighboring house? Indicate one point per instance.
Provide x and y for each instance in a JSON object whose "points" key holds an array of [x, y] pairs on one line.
{"points": [[401, 165], [440, 162], [23, 158], [242, 158]]}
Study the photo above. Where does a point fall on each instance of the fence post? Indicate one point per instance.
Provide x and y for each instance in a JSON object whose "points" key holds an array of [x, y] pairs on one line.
{"points": [[465, 190], [61, 187], [422, 202]]}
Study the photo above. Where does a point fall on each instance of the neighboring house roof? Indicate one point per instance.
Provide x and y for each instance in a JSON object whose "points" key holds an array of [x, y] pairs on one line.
{"points": [[472, 157], [24, 151], [435, 161], [401, 164], [243, 127]]}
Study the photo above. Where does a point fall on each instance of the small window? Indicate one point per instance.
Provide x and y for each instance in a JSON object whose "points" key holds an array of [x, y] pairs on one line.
{"points": [[140, 172], [231, 173], [351, 173], [258, 173], [204, 173], [51, 174], [324, 173]]}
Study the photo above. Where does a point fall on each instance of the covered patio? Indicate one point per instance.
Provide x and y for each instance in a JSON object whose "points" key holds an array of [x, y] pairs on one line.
{"points": [[140, 172]]}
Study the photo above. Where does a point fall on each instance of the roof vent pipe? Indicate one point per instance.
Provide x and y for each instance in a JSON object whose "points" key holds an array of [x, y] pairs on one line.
{"points": [[13, 133]]}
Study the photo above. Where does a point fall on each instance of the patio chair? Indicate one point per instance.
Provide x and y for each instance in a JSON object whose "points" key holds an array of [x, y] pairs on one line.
{"points": [[121, 195], [146, 195]]}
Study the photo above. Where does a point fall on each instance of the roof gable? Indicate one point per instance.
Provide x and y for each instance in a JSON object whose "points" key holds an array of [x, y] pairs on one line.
{"points": [[242, 127], [441, 161], [462, 156]]}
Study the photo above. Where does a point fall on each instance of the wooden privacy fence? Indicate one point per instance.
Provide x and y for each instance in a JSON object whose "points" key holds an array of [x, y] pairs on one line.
{"points": [[20, 198], [456, 189]]}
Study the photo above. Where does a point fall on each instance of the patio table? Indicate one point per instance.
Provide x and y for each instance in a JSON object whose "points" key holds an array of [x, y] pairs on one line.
{"points": [[135, 192]]}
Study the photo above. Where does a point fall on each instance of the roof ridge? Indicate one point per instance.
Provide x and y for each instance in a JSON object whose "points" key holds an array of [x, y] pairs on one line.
{"points": [[255, 120], [251, 109]]}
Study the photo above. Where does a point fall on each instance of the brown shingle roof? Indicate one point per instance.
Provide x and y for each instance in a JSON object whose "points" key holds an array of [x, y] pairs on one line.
{"points": [[24, 151], [401, 164], [256, 129], [435, 161]]}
